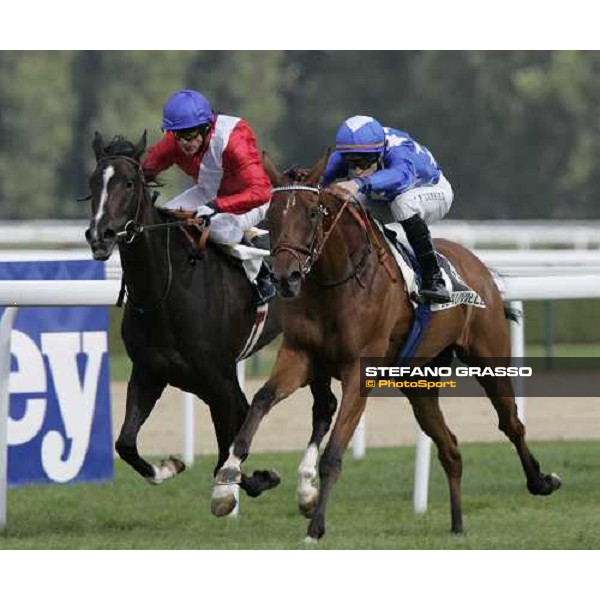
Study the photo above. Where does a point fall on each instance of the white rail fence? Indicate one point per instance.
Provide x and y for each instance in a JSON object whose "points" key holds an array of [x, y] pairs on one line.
{"points": [[522, 234], [507, 262]]}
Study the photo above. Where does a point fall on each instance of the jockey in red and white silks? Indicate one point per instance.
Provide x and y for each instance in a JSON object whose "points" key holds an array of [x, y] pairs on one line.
{"points": [[227, 167], [220, 153]]}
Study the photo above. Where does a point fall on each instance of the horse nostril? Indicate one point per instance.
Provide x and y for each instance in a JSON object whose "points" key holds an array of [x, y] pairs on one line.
{"points": [[109, 234], [88, 235], [294, 277]]}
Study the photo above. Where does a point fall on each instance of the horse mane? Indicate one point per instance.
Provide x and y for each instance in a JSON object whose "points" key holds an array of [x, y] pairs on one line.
{"points": [[296, 174], [120, 146]]}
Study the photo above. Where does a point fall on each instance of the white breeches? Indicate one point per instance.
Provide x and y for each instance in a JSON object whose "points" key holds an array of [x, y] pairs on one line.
{"points": [[225, 228], [430, 202]]}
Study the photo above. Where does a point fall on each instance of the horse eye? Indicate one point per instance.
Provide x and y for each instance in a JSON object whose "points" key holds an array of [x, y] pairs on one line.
{"points": [[314, 213], [129, 183]]}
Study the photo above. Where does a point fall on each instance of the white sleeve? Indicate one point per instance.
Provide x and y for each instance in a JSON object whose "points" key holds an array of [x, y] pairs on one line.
{"points": [[191, 199]]}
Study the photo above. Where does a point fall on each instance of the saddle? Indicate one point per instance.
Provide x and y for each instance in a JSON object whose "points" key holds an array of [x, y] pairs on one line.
{"points": [[460, 292]]}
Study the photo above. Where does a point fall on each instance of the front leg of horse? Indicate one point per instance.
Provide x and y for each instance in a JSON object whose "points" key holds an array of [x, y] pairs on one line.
{"points": [[324, 407], [307, 492], [152, 473], [289, 373], [330, 465], [230, 474], [141, 399], [227, 480]]}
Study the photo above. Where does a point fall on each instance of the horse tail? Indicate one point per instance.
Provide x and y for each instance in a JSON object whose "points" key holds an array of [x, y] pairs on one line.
{"points": [[512, 314]]}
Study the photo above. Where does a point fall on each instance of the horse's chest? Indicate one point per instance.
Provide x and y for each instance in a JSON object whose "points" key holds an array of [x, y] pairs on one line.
{"points": [[330, 338]]}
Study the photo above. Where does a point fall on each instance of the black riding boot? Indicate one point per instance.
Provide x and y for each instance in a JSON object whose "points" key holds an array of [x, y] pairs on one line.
{"points": [[262, 242], [433, 287], [264, 286]]}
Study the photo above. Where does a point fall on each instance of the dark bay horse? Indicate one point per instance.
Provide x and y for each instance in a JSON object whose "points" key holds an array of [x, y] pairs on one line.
{"points": [[342, 303], [187, 317]]}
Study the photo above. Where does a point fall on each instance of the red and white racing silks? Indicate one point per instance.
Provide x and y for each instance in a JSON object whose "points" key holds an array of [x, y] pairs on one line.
{"points": [[227, 169]]}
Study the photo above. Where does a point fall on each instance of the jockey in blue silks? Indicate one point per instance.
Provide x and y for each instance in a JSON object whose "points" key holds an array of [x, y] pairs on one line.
{"points": [[398, 180]]}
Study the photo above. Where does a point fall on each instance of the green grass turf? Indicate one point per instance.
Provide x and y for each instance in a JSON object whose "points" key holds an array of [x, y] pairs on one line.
{"points": [[370, 507]]}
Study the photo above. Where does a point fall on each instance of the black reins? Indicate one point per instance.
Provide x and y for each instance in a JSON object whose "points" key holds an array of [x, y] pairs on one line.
{"points": [[132, 229]]}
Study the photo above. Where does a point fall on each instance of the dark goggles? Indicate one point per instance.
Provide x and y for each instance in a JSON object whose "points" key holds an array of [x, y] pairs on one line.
{"points": [[190, 134], [361, 161]]}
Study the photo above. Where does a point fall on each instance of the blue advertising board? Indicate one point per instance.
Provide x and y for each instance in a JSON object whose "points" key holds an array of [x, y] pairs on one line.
{"points": [[59, 426]]}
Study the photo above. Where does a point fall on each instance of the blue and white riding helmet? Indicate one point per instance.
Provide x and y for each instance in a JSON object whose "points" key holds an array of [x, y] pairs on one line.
{"points": [[186, 109], [360, 134]]}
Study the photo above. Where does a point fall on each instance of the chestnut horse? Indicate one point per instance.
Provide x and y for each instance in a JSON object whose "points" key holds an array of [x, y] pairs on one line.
{"points": [[342, 304]]}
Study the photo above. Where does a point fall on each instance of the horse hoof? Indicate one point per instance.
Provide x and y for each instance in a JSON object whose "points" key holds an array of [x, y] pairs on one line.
{"points": [[166, 469], [178, 464], [221, 507], [555, 481], [545, 486], [307, 503], [310, 541], [307, 510], [260, 482]]}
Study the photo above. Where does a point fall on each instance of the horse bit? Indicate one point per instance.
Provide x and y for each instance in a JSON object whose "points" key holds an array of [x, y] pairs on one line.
{"points": [[132, 229]]}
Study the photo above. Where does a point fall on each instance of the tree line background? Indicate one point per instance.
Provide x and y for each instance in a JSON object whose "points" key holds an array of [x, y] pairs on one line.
{"points": [[516, 132]]}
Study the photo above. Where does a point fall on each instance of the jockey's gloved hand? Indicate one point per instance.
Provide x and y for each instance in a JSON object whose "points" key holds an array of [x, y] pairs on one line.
{"points": [[213, 205], [345, 189], [207, 210]]}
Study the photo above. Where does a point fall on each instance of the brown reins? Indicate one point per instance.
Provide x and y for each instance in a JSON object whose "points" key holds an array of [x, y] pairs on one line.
{"points": [[313, 251]]}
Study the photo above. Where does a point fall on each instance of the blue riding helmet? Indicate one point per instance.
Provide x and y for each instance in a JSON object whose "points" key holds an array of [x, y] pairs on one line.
{"points": [[186, 109], [360, 134]]}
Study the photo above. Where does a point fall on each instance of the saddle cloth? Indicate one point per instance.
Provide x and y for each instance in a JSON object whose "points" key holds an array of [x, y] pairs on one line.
{"points": [[460, 292]]}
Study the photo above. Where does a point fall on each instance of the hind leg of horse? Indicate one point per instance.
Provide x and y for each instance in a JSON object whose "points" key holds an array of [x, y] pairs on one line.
{"points": [[352, 407], [324, 406], [500, 392], [431, 420], [142, 394], [490, 339], [290, 372]]}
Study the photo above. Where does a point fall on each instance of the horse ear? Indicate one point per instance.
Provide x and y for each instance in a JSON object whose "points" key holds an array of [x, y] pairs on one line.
{"points": [[315, 173], [98, 146], [141, 145], [275, 175]]}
